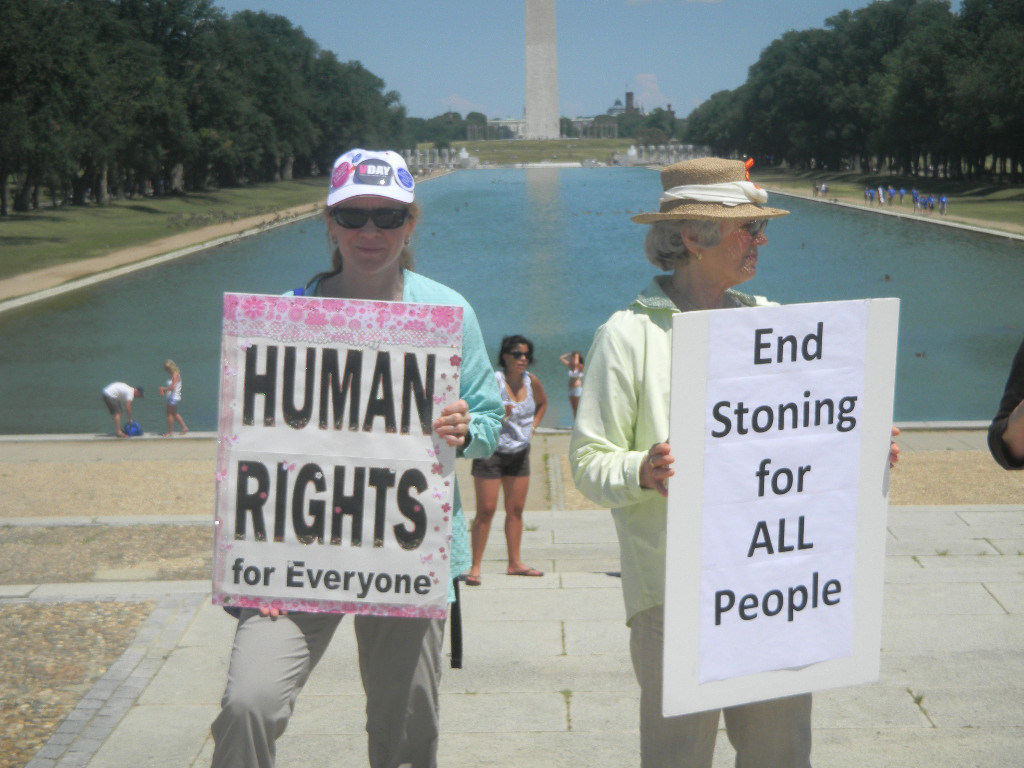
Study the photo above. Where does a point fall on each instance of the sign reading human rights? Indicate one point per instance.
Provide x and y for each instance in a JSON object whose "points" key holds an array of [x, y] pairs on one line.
{"points": [[781, 421], [333, 492]]}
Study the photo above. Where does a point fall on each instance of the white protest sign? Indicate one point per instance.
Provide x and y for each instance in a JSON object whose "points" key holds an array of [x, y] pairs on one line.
{"points": [[333, 492], [781, 420]]}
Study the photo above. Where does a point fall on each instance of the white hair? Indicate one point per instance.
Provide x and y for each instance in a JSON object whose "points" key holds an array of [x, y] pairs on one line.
{"points": [[665, 247]]}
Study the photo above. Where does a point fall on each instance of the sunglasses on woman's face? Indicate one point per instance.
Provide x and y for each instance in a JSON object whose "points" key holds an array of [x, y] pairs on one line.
{"points": [[519, 355], [383, 218], [755, 227]]}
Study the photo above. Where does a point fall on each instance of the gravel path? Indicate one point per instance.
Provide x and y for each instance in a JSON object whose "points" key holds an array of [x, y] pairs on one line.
{"points": [[53, 655]]}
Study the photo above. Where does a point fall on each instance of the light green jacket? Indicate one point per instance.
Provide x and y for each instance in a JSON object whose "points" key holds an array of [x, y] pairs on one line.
{"points": [[624, 410]]}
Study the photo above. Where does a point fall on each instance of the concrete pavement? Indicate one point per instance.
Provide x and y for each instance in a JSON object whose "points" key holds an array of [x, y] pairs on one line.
{"points": [[547, 679]]}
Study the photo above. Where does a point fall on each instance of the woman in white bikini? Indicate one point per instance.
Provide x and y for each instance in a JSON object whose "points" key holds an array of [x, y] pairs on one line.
{"points": [[509, 468], [574, 362]]}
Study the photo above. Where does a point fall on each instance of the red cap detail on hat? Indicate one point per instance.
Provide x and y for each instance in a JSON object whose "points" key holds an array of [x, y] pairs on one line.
{"points": [[749, 164]]}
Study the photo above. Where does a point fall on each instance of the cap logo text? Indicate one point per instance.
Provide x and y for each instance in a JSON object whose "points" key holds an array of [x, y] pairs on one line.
{"points": [[373, 172]]}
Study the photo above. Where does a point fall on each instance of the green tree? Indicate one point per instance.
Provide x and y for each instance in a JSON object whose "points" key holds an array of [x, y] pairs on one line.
{"points": [[988, 85], [877, 86], [18, 100], [441, 130], [717, 123], [53, 69], [662, 121], [130, 93], [278, 60], [476, 126], [787, 114], [353, 109], [630, 124], [185, 32], [915, 99]]}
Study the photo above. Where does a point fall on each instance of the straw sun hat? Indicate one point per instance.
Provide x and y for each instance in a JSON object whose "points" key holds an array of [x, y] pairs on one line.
{"points": [[710, 188]]}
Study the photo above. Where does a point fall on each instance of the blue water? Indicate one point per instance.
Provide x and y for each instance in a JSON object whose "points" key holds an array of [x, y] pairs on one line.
{"points": [[549, 253]]}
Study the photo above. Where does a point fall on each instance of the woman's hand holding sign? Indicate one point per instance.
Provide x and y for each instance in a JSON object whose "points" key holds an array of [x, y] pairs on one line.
{"points": [[656, 468], [453, 424]]}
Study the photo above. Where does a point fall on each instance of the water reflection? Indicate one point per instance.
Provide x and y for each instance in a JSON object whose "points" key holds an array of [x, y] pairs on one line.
{"points": [[549, 253], [544, 224]]}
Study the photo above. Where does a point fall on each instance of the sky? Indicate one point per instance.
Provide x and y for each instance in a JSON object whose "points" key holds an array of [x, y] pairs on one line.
{"points": [[469, 55]]}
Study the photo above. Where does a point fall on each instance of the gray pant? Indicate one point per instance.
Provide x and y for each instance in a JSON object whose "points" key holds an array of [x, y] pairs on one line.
{"points": [[400, 664], [765, 734]]}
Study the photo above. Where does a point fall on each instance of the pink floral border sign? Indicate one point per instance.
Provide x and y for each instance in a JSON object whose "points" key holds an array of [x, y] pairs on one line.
{"points": [[333, 492]]}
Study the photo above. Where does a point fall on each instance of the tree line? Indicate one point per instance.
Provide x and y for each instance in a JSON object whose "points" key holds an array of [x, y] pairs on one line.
{"points": [[900, 85], [111, 98], [659, 126], [124, 97], [101, 97]]}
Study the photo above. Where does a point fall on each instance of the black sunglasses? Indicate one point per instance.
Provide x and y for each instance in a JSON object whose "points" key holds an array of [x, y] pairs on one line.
{"points": [[518, 355], [755, 227], [383, 218]]}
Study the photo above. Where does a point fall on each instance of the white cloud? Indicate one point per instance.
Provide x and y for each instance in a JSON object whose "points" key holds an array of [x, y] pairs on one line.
{"points": [[648, 93]]}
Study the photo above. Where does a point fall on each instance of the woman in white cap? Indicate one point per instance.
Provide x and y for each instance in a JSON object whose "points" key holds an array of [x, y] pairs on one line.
{"points": [[371, 216], [706, 235]]}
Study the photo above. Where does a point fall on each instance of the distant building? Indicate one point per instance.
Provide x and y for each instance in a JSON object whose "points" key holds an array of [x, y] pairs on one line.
{"points": [[618, 109], [595, 128], [603, 126], [502, 128]]}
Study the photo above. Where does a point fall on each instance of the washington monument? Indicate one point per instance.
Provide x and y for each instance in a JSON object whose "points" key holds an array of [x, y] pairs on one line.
{"points": [[542, 117]]}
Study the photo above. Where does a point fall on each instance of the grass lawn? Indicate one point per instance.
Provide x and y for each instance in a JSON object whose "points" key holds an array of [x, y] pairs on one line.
{"points": [[986, 205], [50, 236]]}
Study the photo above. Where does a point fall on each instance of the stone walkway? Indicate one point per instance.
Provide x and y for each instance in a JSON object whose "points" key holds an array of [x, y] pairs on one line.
{"points": [[547, 679]]}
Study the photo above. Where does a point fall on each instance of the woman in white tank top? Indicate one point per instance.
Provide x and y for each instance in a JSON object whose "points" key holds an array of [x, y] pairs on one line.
{"points": [[508, 469]]}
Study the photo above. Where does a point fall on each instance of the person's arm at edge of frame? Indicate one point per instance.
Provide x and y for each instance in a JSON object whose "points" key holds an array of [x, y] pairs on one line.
{"points": [[605, 466], [1006, 432], [540, 399], [479, 389]]}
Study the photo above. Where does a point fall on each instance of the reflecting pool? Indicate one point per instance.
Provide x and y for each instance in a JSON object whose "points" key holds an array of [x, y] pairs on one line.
{"points": [[548, 253]]}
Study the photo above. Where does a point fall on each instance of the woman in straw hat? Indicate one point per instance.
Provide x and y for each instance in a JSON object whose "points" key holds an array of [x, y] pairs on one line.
{"points": [[706, 235], [370, 217]]}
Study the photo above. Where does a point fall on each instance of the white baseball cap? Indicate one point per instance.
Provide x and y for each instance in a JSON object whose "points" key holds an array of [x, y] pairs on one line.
{"points": [[361, 172]]}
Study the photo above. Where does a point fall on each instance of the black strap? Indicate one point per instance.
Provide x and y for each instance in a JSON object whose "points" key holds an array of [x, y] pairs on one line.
{"points": [[456, 624]]}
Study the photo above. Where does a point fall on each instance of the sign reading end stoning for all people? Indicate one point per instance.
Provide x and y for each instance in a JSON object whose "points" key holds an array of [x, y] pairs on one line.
{"points": [[781, 425], [333, 492]]}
